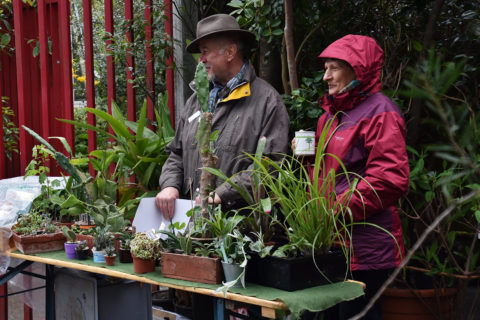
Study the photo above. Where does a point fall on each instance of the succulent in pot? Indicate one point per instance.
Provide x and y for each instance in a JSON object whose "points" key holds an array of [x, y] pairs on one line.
{"points": [[101, 240], [145, 251], [110, 255], [82, 250], [124, 253], [71, 243]]}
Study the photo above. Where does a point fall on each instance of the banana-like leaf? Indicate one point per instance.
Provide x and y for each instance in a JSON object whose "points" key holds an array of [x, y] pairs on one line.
{"points": [[65, 144], [39, 138], [142, 121], [117, 126]]}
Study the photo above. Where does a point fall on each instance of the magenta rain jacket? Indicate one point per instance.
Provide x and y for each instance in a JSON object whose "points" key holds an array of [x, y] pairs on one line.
{"points": [[370, 141]]}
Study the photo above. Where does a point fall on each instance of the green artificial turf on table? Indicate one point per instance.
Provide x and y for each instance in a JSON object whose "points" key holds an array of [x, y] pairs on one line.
{"points": [[313, 299]]}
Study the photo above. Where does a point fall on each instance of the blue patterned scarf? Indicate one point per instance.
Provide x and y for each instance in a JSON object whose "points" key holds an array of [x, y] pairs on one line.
{"points": [[219, 92]]}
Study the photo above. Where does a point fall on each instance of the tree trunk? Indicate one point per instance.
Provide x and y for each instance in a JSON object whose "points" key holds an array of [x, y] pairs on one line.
{"points": [[292, 70], [268, 68], [283, 58], [413, 125]]}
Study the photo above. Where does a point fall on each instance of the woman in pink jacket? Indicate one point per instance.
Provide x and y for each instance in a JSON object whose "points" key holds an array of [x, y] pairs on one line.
{"points": [[370, 141]]}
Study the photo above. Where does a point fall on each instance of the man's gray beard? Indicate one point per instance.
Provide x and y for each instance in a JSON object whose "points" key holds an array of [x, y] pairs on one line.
{"points": [[212, 77]]}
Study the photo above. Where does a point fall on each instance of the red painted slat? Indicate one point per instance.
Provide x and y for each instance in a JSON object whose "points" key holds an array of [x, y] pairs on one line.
{"points": [[4, 302], [9, 88], [149, 60], [27, 312], [27, 283], [3, 158], [42, 32], [130, 65], [44, 74], [169, 71], [90, 81], [66, 65], [20, 57], [110, 64]]}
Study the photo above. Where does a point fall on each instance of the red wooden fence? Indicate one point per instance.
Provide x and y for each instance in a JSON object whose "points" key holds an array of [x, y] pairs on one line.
{"points": [[40, 89]]}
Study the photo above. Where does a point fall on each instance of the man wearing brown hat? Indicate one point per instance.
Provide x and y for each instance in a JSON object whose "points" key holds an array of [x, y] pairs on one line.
{"points": [[245, 109]]}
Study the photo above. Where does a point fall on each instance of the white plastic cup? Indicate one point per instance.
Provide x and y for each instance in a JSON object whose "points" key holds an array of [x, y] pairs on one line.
{"points": [[304, 143]]}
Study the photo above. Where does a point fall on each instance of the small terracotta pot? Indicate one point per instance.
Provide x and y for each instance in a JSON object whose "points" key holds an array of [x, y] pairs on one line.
{"points": [[143, 265], [110, 260]]}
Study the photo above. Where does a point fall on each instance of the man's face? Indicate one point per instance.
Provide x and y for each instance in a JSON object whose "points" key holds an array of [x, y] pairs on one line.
{"points": [[213, 55], [338, 75]]}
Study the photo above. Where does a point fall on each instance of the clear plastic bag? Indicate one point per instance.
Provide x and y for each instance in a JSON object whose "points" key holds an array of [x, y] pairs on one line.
{"points": [[5, 234], [35, 299]]}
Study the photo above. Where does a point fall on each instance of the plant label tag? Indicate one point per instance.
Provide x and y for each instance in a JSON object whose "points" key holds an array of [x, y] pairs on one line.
{"points": [[194, 116], [305, 143]]}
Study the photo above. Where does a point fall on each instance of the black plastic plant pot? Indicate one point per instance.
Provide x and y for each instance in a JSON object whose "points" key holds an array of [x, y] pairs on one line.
{"points": [[291, 274], [125, 256], [82, 254]]}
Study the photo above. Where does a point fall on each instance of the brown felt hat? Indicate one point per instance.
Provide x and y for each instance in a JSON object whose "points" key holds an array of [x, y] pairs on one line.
{"points": [[216, 24]]}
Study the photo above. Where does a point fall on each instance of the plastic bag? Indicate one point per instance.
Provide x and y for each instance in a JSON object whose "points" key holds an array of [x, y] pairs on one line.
{"points": [[5, 234], [35, 299], [16, 198]]}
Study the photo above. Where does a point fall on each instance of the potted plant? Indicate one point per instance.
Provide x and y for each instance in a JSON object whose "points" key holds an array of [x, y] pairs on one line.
{"points": [[440, 212], [232, 250], [101, 240], [71, 243], [185, 258], [124, 253], [82, 250], [86, 235], [312, 220], [35, 233], [145, 251], [51, 188], [110, 255]]}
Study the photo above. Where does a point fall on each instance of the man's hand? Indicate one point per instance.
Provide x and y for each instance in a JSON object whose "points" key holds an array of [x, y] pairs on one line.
{"points": [[165, 201], [217, 200]]}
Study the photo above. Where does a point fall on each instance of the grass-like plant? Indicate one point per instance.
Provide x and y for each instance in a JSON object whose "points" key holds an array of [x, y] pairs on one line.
{"points": [[314, 219]]}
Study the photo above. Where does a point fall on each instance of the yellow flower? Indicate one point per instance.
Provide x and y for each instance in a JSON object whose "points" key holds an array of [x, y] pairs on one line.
{"points": [[81, 79], [97, 82]]}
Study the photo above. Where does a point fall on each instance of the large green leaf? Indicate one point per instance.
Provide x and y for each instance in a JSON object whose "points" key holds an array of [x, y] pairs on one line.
{"points": [[141, 123], [118, 126]]}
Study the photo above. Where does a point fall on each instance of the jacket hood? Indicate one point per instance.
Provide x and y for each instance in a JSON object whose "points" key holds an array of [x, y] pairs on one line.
{"points": [[366, 58]]}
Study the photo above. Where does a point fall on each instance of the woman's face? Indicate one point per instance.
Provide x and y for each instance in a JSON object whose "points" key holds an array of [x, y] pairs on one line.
{"points": [[338, 74]]}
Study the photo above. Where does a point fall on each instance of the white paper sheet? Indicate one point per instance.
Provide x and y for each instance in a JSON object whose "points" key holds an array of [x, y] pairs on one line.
{"points": [[148, 216]]}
